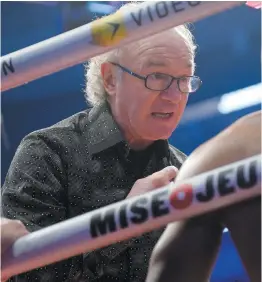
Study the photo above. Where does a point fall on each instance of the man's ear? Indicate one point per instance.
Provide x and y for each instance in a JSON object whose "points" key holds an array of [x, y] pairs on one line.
{"points": [[108, 75]]}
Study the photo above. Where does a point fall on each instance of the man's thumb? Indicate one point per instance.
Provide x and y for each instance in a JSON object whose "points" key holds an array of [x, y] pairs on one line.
{"points": [[164, 176]]}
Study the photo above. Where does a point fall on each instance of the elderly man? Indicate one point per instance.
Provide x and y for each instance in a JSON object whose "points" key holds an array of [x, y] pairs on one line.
{"points": [[187, 250], [117, 149]]}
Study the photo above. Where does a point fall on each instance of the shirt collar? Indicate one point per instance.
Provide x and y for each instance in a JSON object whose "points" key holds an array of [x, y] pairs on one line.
{"points": [[103, 131]]}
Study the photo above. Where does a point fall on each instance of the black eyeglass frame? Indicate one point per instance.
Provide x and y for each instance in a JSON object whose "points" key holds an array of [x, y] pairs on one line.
{"points": [[146, 77]]}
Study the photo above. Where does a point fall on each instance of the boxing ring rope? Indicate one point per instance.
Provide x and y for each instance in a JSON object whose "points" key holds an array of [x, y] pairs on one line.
{"points": [[78, 45], [132, 217], [122, 220]]}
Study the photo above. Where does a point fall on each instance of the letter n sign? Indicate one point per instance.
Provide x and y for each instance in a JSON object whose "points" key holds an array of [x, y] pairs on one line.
{"points": [[7, 67]]}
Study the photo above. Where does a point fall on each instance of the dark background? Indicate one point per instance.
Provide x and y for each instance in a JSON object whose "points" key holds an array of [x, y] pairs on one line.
{"points": [[228, 59]]}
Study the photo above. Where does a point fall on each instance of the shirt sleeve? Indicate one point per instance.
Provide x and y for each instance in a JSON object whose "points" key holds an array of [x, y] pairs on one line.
{"points": [[35, 192], [111, 252]]}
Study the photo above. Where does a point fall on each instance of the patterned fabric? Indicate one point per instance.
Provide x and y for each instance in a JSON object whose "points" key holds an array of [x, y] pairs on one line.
{"points": [[78, 165]]}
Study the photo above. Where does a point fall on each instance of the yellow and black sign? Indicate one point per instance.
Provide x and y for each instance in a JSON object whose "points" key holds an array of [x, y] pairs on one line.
{"points": [[109, 30]]}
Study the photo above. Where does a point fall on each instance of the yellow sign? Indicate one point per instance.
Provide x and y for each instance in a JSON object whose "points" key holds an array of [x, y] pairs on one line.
{"points": [[109, 30]]}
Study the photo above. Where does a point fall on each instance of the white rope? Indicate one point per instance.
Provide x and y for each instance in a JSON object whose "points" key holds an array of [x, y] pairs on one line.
{"points": [[134, 216], [78, 45]]}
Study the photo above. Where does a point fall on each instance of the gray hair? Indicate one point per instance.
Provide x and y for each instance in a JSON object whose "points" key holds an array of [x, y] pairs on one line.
{"points": [[95, 92]]}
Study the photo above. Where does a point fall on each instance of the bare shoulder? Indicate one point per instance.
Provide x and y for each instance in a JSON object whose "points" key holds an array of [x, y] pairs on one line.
{"points": [[240, 140]]}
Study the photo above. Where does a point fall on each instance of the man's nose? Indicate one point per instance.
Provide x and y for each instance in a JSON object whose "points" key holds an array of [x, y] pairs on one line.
{"points": [[172, 94]]}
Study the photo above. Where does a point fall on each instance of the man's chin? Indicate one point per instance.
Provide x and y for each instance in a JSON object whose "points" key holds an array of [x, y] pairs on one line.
{"points": [[160, 135]]}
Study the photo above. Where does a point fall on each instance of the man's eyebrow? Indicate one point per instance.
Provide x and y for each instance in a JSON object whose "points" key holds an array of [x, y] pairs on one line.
{"points": [[154, 63]]}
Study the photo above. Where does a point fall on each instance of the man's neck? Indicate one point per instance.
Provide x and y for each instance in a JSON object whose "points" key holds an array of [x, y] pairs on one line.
{"points": [[134, 141], [138, 145]]}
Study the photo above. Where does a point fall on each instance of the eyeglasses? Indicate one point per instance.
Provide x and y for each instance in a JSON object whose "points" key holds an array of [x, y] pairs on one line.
{"points": [[161, 81]]}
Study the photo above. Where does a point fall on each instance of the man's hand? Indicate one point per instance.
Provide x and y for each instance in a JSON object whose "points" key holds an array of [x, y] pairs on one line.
{"points": [[154, 181], [11, 230]]}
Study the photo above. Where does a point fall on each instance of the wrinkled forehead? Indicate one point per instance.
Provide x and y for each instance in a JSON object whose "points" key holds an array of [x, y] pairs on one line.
{"points": [[160, 50]]}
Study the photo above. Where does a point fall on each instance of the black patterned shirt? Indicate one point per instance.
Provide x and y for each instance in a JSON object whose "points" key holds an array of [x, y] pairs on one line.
{"points": [[73, 167]]}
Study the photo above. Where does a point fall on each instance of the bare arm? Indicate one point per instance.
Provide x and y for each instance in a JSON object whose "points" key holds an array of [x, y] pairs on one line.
{"points": [[187, 250]]}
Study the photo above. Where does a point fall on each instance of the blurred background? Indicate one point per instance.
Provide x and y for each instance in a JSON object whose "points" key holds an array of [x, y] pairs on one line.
{"points": [[228, 62]]}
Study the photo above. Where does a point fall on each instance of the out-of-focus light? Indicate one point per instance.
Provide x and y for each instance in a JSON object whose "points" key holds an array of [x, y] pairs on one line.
{"points": [[240, 99], [100, 8]]}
